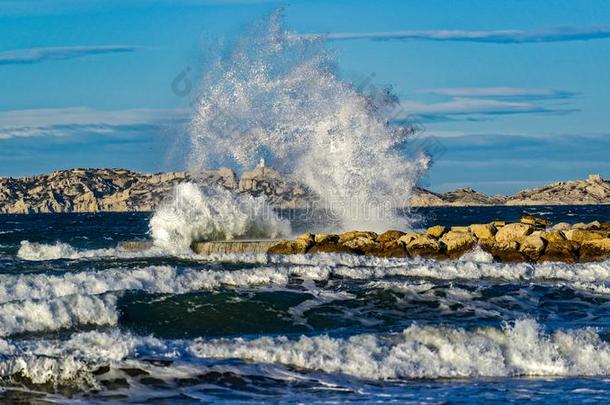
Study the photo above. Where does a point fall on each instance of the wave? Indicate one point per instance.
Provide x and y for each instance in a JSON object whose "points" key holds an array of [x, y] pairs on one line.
{"points": [[278, 96], [430, 352], [58, 313], [195, 214], [520, 349], [279, 270]]}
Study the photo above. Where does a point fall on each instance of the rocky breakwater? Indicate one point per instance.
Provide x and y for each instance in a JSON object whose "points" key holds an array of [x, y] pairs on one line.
{"points": [[529, 240]]}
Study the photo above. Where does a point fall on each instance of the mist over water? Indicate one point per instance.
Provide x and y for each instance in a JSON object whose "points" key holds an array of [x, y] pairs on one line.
{"points": [[278, 96]]}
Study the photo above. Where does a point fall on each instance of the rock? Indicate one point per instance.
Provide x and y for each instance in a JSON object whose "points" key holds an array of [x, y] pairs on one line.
{"points": [[580, 225], [605, 226], [346, 236], [552, 236], [392, 248], [460, 229], [581, 235], [535, 221], [389, 236], [562, 226], [361, 243], [308, 238], [498, 224], [594, 225], [458, 243], [505, 251], [595, 250], [408, 237], [331, 246], [532, 247], [324, 237], [560, 251], [436, 231], [483, 231], [513, 232], [425, 246], [287, 247]]}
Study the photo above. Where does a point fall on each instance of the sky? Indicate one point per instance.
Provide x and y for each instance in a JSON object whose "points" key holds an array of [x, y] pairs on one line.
{"points": [[506, 95]]}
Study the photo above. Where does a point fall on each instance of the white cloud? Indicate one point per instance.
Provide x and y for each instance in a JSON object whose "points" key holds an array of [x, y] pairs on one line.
{"points": [[74, 120], [558, 34], [499, 92], [37, 55], [460, 105]]}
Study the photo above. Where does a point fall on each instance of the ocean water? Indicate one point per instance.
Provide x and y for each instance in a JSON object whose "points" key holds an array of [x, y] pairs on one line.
{"points": [[81, 320]]}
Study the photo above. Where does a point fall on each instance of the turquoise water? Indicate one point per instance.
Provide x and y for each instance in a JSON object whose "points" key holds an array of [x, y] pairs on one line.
{"points": [[81, 320]]}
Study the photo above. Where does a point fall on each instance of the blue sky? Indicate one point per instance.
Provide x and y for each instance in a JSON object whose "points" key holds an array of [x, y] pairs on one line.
{"points": [[514, 94]]}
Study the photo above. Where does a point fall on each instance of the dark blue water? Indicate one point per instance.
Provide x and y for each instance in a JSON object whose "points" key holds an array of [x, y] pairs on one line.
{"points": [[82, 320]]}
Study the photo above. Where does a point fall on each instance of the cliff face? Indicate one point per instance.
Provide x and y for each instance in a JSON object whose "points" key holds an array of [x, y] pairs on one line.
{"points": [[593, 190], [97, 190]]}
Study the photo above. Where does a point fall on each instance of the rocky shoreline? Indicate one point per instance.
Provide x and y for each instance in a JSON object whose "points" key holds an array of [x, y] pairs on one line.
{"points": [[531, 239], [121, 190]]}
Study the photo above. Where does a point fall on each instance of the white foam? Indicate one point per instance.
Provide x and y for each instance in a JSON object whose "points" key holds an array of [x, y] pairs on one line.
{"points": [[34, 251], [430, 352], [523, 349], [195, 214], [58, 313], [277, 96]]}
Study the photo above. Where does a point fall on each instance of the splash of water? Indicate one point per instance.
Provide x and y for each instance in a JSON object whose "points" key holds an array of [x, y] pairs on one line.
{"points": [[195, 214], [276, 95]]}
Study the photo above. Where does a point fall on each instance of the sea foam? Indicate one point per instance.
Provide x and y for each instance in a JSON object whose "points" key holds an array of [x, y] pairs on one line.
{"points": [[523, 348], [195, 214]]}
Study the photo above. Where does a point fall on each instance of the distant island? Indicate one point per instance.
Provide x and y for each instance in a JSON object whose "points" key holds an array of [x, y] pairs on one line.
{"points": [[121, 190]]}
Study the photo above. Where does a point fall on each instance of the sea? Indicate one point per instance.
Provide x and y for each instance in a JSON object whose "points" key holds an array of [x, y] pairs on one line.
{"points": [[82, 321]]}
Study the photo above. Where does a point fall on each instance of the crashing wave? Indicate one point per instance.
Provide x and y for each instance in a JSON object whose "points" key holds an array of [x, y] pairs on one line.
{"points": [[278, 96], [195, 214], [522, 349]]}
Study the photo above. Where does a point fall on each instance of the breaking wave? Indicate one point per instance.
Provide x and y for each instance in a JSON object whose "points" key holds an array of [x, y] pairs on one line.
{"points": [[195, 214], [278, 96], [520, 349], [430, 352]]}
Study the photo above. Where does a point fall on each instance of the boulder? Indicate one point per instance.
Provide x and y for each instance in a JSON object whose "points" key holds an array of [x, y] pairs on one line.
{"points": [[289, 247], [552, 236], [425, 246], [344, 237], [505, 251], [580, 225], [392, 248], [361, 243], [499, 224], [436, 231], [535, 221], [594, 250], [408, 237], [324, 237], [389, 236], [605, 226], [532, 247], [457, 243], [560, 251], [581, 235], [483, 231], [562, 226], [331, 246], [460, 229], [513, 232], [594, 225]]}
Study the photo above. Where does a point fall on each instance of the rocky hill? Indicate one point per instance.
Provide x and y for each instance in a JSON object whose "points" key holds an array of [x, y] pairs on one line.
{"points": [[97, 190], [593, 190], [120, 190]]}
